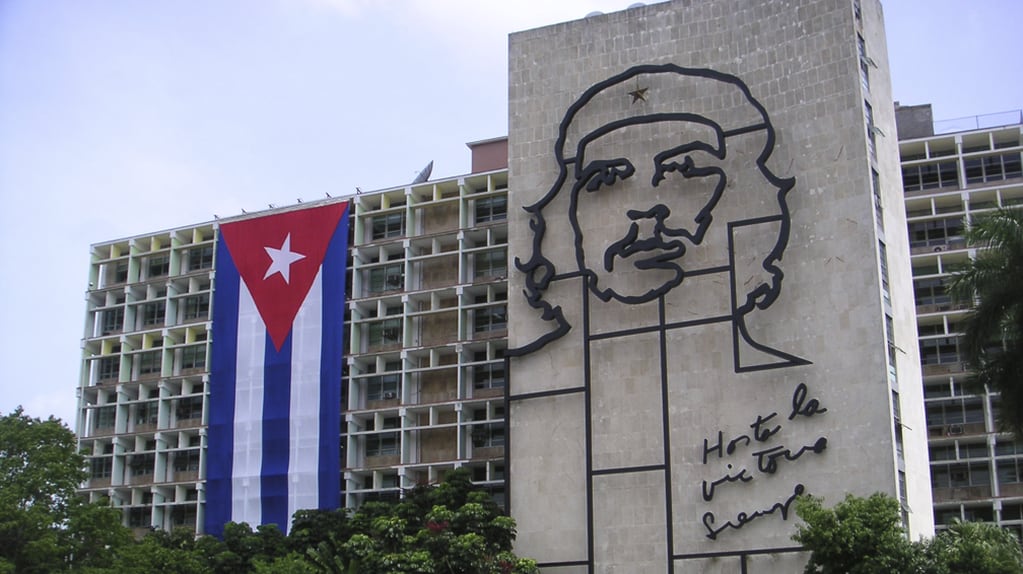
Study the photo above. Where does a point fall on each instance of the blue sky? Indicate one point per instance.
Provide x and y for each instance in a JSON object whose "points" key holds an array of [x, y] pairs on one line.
{"points": [[118, 118]]}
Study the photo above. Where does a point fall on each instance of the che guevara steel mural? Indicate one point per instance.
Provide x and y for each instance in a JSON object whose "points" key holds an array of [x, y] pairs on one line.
{"points": [[699, 217]]}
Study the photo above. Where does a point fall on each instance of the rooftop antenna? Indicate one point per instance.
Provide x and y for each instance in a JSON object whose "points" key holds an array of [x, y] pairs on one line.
{"points": [[424, 175]]}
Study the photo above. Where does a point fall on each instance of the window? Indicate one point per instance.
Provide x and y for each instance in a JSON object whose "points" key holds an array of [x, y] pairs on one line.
{"points": [[1007, 448], [121, 272], [197, 307], [930, 176], [386, 278], [960, 475], [973, 450], [946, 452], [864, 63], [883, 256], [142, 464], [940, 351], [871, 136], [146, 414], [938, 232], [109, 368], [930, 292], [157, 266], [491, 209], [193, 357], [153, 314], [200, 258], [488, 435], [149, 362], [956, 412], [140, 517], [386, 226], [190, 408], [491, 264], [101, 467], [490, 319], [113, 320], [386, 332], [489, 376], [382, 387], [382, 444], [875, 184], [186, 461], [993, 168], [1009, 471], [105, 417]]}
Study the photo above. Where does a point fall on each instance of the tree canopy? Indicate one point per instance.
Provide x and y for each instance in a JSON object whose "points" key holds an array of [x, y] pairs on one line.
{"points": [[866, 536], [45, 527], [992, 342]]}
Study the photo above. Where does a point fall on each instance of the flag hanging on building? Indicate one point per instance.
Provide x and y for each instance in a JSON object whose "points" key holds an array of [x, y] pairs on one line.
{"points": [[275, 376]]}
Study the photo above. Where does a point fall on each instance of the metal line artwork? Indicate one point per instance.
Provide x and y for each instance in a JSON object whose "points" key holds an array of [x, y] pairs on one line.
{"points": [[660, 211]]}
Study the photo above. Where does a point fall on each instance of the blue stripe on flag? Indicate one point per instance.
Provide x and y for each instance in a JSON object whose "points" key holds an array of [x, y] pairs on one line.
{"points": [[220, 436], [331, 367], [276, 434]]}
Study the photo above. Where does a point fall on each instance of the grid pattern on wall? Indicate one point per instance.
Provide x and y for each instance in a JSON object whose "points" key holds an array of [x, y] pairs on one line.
{"points": [[424, 380], [948, 180]]}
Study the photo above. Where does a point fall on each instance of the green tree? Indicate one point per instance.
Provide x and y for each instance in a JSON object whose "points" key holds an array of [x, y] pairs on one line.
{"points": [[992, 343], [857, 536], [44, 525], [453, 528], [976, 548]]}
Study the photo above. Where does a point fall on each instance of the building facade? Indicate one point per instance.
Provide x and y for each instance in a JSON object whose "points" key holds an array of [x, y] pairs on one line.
{"points": [[952, 172], [429, 295], [707, 267], [427, 329]]}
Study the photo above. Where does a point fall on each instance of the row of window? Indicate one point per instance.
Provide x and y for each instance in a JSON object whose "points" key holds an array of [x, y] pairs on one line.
{"points": [[146, 413], [149, 363], [486, 210], [155, 266], [391, 277], [945, 174], [976, 474], [192, 308]]}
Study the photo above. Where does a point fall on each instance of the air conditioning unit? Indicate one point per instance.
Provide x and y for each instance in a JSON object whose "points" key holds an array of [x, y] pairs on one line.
{"points": [[389, 396], [954, 430], [939, 249]]}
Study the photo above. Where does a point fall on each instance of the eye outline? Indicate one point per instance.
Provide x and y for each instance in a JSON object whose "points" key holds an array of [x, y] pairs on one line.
{"points": [[688, 168], [604, 173]]}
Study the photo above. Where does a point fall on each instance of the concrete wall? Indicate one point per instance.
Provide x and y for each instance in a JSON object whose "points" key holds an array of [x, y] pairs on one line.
{"points": [[691, 395]]}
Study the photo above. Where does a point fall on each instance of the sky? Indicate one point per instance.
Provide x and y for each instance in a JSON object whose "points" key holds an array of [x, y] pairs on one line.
{"points": [[119, 118]]}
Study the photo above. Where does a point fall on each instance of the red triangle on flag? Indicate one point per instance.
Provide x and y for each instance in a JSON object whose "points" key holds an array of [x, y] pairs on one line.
{"points": [[278, 257]]}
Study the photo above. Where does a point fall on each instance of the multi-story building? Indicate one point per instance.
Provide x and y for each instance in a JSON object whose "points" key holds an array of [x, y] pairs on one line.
{"points": [[952, 172], [425, 374]]}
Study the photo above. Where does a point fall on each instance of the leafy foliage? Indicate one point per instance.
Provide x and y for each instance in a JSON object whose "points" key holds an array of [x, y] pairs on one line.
{"points": [[865, 536], [993, 336], [857, 536], [976, 548], [45, 527]]}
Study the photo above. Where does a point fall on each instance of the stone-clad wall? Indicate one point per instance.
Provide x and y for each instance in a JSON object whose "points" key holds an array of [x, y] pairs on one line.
{"points": [[692, 396]]}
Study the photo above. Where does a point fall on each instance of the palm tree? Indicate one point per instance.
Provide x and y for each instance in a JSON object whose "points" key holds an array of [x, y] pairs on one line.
{"points": [[993, 333]]}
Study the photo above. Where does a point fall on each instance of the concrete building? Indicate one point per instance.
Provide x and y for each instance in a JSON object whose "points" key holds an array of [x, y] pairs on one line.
{"points": [[698, 192], [953, 171], [424, 384], [819, 320]]}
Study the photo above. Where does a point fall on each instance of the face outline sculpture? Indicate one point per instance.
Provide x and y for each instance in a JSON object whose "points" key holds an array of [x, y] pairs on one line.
{"points": [[639, 253], [667, 202]]}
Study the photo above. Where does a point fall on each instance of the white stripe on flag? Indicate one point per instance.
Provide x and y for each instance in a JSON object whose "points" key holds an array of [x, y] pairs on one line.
{"points": [[246, 505], [306, 346]]}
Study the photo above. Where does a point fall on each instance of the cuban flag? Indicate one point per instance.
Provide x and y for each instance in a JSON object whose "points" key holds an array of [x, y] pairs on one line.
{"points": [[275, 372]]}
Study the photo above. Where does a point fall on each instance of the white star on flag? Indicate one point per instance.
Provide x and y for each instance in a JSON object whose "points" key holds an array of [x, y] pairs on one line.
{"points": [[281, 260]]}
